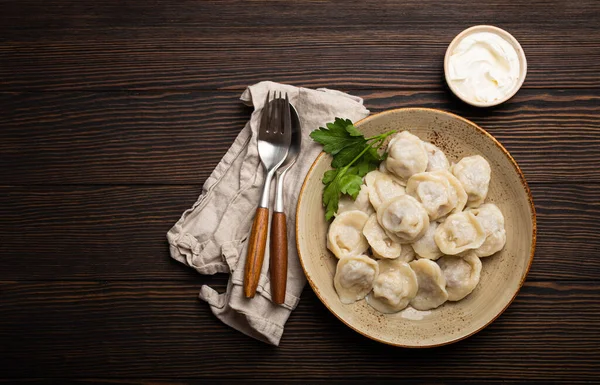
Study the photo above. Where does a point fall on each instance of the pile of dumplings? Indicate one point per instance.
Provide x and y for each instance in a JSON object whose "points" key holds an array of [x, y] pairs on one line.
{"points": [[416, 231]]}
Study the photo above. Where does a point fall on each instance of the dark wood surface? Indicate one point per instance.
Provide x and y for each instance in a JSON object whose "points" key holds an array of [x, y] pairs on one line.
{"points": [[113, 113]]}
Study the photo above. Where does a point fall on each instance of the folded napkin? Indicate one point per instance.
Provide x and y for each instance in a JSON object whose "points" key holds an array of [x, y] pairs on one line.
{"points": [[212, 236]]}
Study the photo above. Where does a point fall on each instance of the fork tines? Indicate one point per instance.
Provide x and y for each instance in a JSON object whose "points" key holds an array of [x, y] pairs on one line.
{"points": [[276, 115]]}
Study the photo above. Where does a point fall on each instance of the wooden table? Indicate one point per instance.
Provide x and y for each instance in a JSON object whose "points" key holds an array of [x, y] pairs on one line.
{"points": [[113, 113]]}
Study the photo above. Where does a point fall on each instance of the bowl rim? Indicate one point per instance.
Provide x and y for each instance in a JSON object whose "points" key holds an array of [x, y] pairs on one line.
{"points": [[510, 39], [523, 184]]}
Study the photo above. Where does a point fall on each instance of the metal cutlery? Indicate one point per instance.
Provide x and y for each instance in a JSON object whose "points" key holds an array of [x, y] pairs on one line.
{"points": [[278, 242], [274, 136]]}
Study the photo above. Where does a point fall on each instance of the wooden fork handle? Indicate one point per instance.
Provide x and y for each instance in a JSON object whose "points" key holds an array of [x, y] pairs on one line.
{"points": [[256, 251], [278, 259]]}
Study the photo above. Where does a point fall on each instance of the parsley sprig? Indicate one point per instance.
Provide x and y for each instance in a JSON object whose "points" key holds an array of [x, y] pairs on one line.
{"points": [[353, 157]]}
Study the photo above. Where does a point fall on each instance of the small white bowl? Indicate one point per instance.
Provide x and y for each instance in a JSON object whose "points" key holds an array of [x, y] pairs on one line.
{"points": [[506, 36]]}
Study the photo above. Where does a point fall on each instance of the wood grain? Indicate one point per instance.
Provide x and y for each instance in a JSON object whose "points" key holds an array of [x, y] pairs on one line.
{"points": [[87, 329], [113, 114], [179, 381], [278, 257], [229, 44], [220, 58], [153, 381], [178, 138], [119, 232], [64, 14], [257, 244]]}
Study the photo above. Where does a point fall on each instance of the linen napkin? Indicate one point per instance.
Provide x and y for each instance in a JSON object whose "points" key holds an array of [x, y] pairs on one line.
{"points": [[211, 237]]}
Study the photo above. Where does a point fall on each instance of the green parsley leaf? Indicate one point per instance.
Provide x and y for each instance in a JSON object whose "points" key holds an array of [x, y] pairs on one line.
{"points": [[350, 184], [331, 197], [364, 166], [337, 136], [369, 161], [352, 170], [353, 157], [351, 129], [348, 153], [329, 176]]}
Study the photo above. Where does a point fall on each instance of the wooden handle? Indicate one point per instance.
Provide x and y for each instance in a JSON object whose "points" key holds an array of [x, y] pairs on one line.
{"points": [[278, 260], [256, 251]]}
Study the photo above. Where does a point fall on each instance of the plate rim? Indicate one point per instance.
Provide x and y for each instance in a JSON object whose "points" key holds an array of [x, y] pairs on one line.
{"points": [[523, 184]]}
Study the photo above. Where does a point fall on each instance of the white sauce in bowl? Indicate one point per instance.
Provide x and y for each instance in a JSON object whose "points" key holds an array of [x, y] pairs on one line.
{"points": [[483, 67]]}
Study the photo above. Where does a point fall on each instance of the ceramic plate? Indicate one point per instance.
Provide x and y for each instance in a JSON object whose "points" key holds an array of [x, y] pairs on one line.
{"points": [[502, 274]]}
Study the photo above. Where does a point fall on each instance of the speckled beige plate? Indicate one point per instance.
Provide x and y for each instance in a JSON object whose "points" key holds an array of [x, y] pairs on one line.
{"points": [[502, 274]]}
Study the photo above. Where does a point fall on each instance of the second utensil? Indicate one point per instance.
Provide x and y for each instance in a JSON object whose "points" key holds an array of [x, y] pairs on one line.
{"points": [[279, 245]]}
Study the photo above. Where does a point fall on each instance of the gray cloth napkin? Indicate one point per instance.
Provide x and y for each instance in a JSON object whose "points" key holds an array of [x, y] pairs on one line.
{"points": [[211, 237]]}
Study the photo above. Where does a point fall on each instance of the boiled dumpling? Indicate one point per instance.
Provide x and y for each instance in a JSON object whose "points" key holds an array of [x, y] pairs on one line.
{"points": [[361, 202], [461, 273], [406, 155], [382, 187], [382, 168], [425, 247], [491, 219], [354, 277], [394, 286], [461, 195], [407, 254], [436, 159], [459, 232], [432, 285], [381, 244], [474, 173], [412, 207], [434, 192], [345, 237], [403, 218]]}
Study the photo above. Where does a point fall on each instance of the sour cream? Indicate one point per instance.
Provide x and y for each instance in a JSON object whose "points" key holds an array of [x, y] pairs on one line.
{"points": [[483, 68]]}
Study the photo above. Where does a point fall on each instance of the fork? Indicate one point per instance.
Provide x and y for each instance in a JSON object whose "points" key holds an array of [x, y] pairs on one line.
{"points": [[274, 137]]}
